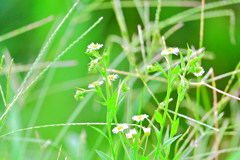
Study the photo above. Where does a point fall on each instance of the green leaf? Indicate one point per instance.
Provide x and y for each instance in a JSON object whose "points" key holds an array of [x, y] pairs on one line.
{"points": [[189, 53], [161, 69], [103, 155], [121, 98], [150, 154], [125, 79], [191, 69], [102, 103], [175, 70], [176, 157], [182, 60], [166, 138], [106, 57], [112, 101], [170, 141], [155, 128], [175, 127], [195, 60], [132, 154], [182, 94], [143, 158], [158, 117], [1, 64], [100, 131]]}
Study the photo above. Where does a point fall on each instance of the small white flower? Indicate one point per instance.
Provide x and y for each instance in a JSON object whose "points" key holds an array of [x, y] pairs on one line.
{"points": [[140, 117], [129, 135], [111, 77], [199, 71], [146, 131], [133, 131], [170, 51], [149, 66], [120, 128], [93, 46], [96, 83]]}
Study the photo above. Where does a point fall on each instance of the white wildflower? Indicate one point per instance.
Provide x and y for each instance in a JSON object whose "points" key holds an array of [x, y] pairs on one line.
{"points": [[170, 51], [129, 135], [120, 128], [198, 71], [146, 131], [140, 117], [93, 46], [111, 77], [94, 84]]}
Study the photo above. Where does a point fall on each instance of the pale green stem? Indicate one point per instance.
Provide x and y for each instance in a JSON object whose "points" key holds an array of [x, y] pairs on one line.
{"points": [[8, 82], [109, 113], [166, 107]]}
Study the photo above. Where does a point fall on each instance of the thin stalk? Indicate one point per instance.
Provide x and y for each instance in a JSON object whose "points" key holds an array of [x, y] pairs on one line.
{"points": [[1, 64], [166, 107], [215, 114], [47, 45], [145, 146], [26, 28], [178, 102], [21, 92], [63, 124], [175, 115], [109, 113], [124, 146], [8, 82], [198, 87]]}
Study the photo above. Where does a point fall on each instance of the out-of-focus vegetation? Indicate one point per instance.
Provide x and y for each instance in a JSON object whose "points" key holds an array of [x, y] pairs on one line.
{"points": [[51, 99]]}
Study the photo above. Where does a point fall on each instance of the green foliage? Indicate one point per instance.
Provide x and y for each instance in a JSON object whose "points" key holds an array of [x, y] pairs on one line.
{"points": [[30, 95]]}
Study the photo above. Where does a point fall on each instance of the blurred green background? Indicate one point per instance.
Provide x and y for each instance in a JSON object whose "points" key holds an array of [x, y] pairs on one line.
{"points": [[53, 93]]}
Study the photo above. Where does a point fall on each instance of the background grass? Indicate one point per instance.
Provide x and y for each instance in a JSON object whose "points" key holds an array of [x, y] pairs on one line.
{"points": [[52, 96]]}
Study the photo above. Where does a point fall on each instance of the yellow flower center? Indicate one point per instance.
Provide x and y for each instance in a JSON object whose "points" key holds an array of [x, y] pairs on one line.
{"points": [[140, 117], [95, 83], [111, 77], [169, 50], [95, 46], [119, 127]]}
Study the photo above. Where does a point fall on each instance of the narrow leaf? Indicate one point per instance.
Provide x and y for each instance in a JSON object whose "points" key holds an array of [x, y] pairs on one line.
{"points": [[143, 158], [155, 128], [166, 138], [1, 64], [159, 67], [175, 70], [176, 157], [170, 141], [103, 155], [100, 131], [175, 127], [182, 60], [158, 117], [132, 154], [195, 60]]}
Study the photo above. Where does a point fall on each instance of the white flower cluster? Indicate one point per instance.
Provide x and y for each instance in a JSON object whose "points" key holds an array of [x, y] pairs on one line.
{"points": [[170, 51], [93, 46], [132, 133], [111, 77]]}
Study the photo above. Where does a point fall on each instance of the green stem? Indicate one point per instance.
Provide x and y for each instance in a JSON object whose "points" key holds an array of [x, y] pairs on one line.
{"points": [[145, 146], [175, 115], [1, 64], [109, 113], [178, 101], [8, 82], [166, 107]]}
